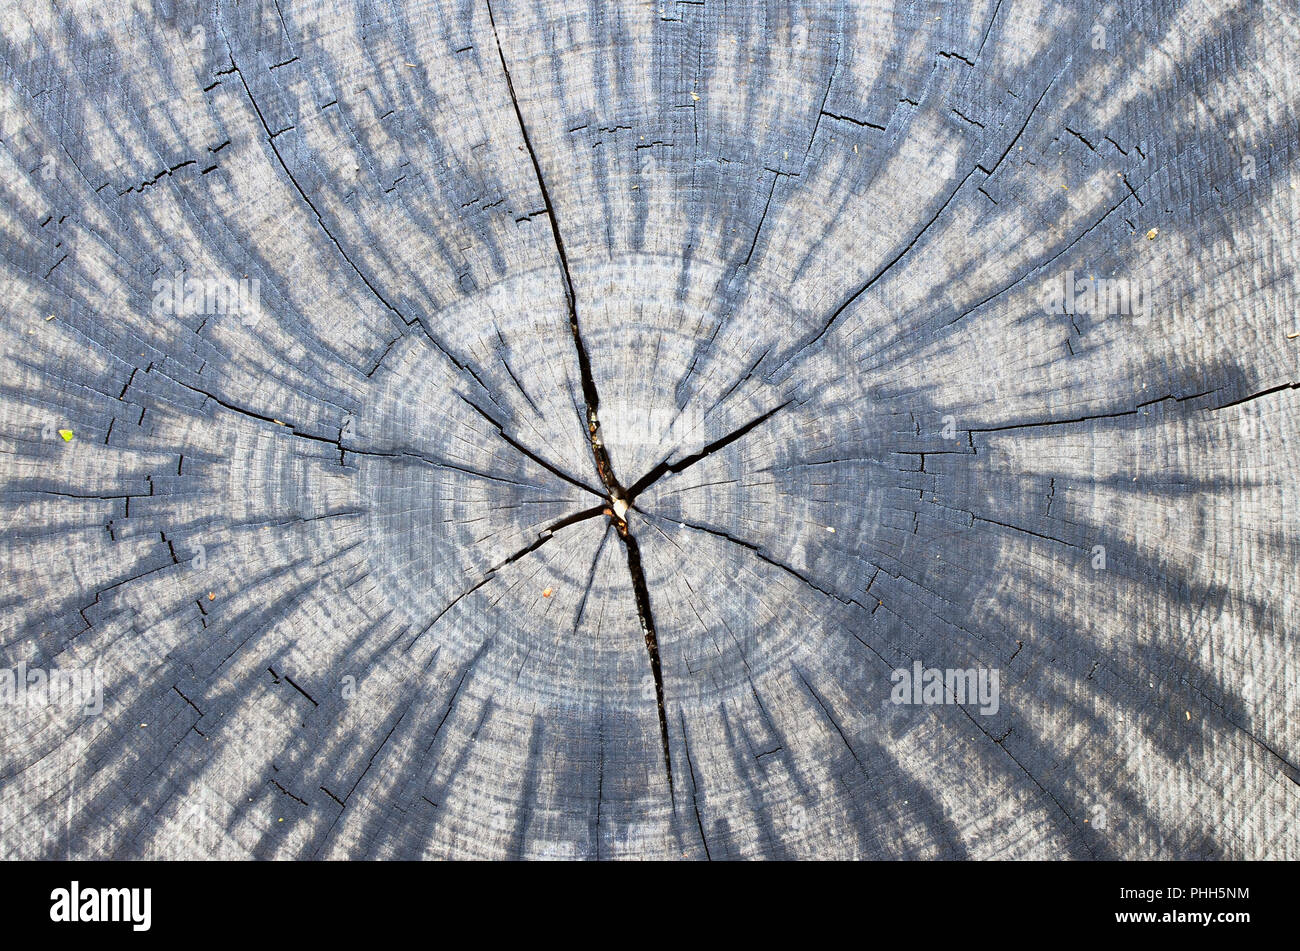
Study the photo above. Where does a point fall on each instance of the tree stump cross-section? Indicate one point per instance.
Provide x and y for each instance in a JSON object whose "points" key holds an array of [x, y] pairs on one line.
{"points": [[649, 430]]}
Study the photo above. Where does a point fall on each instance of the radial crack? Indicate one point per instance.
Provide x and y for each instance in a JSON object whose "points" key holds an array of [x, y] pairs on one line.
{"points": [[524, 450], [798, 575], [664, 468], [642, 594], [604, 465], [544, 536], [590, 396]]}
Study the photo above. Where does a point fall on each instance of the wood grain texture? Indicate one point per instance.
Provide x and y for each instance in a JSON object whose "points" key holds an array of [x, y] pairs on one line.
{"points": [[775, 275]]}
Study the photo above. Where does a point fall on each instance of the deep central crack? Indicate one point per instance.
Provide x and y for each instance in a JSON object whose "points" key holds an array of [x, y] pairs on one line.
{"points": [[620, 499], [604, 466]]}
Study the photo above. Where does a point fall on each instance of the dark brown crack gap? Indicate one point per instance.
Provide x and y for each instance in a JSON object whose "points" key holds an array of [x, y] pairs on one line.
{"points": [[604, 466], [665, 468], [619, 499], [544, 536]]}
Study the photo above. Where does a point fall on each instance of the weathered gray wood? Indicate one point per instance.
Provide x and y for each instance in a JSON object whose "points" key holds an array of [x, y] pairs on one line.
{"points": [[792, 259]]}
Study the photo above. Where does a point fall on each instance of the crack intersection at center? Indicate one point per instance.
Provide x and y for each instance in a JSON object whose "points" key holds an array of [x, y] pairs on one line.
{"points": [[619, 499]]}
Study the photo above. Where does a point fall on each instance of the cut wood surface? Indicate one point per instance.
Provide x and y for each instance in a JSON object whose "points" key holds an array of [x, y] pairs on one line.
{"points": [[537, 429]]}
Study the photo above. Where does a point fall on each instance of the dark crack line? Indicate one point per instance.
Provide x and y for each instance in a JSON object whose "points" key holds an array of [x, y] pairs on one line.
{"points": [[520, 447], [988, 29], [1119, 414], [776, 176], [642, 594], [404, 453], [1001, 744], [664, 468], [589, 392], [830, 717], [1254, 396], [270, 140], [451, 701], [451, 604], [544, 536], [413, 456], [604, 465], [852, 298], [821, 111], [695, 791], [591, 580], [885, 269], [369, 763], [1025, 531], [794, 573], [548, 533], [1028, 118], [1042, 265]]}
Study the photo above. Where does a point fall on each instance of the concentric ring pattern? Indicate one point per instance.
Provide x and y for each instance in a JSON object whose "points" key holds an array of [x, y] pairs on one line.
{"points": [[516, 428]]}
